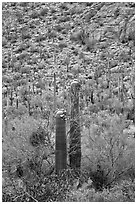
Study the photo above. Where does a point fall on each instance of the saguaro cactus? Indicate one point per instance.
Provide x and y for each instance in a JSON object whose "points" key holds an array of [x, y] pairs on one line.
{"points": [[17, 101], [55, 92], [61, 146], [75, 136], [11, 98], [8, 102]]}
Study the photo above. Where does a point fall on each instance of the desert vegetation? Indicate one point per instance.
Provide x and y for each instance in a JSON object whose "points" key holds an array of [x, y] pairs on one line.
{"points": [[68, 101]]}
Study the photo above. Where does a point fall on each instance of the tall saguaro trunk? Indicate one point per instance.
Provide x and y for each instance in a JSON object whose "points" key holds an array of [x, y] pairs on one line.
{"points": [[8, 101], [17, 101], [11, 98], [109, 77], [61, 146], [75, 136], [54, 92]]}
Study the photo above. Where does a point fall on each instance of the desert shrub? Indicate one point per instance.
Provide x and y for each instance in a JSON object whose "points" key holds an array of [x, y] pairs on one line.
{"points": [[45, 114], [51, 34], [16, 66], [109, 150], [4, 42], [63, 6], [23, 55], [127, 187], [24, 93], [16, 76], [34, 14], [25, 146], [90, 44], [7, 79], [20, 48], [11, 112], [79, 36], [36, 101], [4, 64], [43, 11], [114, 105], [49, 188], [62, 45], [34, 48], [122, 192], [20, 82], [64, 19], [21, 110], [41, 65], [40, 37], [16, 144], [26, 35], [25, 69], [58, 28], [38, 137], [4, 102], [23, 4]]}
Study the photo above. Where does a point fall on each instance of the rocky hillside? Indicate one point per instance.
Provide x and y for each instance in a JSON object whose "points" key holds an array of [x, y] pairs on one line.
{"points": [[72, 39]]}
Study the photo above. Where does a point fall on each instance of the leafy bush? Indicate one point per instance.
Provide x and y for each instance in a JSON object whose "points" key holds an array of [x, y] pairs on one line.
{"points": [[25, 69], [12, 112], [62, 45], [26, 35], [122, 192], [20, 111], [23, 55], [34, 14], [41, 65], [16, 76], [4, 42], [90, 44], [20, 48], [16, 144], [17, 66], [25, 146], [4, 102], [78, 36], [23, 4], [45, 188], [43, 11], [7, 79], [36, 102], [38, 137], [40, 37], [107, 146]]}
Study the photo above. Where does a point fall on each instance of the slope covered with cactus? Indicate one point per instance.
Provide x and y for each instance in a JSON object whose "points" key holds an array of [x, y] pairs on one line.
{"points": [[85, 38], [45, 46]]}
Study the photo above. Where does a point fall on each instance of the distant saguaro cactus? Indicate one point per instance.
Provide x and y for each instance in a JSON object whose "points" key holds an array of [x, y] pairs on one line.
{"points": [[17, 101], [61, 146], [11, 98], [8, 101], [75, 136]]}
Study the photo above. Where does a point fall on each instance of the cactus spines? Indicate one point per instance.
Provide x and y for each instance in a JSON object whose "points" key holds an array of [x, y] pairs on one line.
{"points": [[61, 146], [75, 136]]}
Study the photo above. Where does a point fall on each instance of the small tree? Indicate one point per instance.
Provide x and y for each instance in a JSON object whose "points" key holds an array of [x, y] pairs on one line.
{"points": [[107, 148]]}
